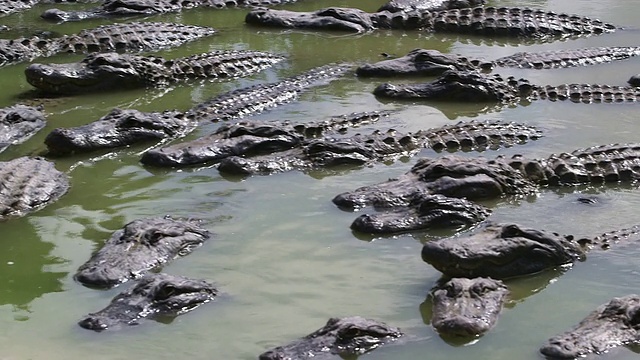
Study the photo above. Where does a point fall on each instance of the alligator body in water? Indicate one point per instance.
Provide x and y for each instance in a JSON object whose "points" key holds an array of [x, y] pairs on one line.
{"points": [[481, 178], [108, 71], [467, 307], [474, 86], [127, 127], [432, 62], [486, 21], [408, 5], [118, 8], [154, 294], [29, 184], [141, 36], [13, 6], [613, 324], [347, 336], [142, 245], [501, 251], [252, 149], [18, 123]]}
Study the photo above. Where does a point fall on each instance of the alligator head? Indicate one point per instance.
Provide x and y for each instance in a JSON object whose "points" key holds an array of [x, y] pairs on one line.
{"points": [[421, 62], [340, 336], [154, 294], [612, 324], [429, 211], [467, 307], [461, 86], [118, 128], [501, 251], [97, 72], [334, 18], [142, 245]]}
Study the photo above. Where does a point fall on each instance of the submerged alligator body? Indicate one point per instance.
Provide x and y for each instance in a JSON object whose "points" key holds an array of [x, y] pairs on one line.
{"points": [[127, 127], [467, 307], [113, 8], [29, 184], [140, 246], [154, 294], [408, 5], [501, 251], [474, 86], [481, 178], [18, 123], [108, 71], [347, 336], [486, 21], [433, 62], [141, 36], [613, 324]]}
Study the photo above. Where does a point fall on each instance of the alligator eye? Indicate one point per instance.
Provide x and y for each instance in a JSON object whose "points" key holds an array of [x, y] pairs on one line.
{"points": [[166, 292], [154, 237], [511, 231], [351, 333]]}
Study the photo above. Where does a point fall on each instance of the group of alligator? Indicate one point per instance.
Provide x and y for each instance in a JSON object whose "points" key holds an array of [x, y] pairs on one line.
{"points": [[436, 192]]}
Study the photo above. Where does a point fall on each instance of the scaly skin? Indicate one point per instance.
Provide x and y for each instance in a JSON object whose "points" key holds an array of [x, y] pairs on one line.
{"points": [[612, 324], [467, 307], [13, 6], [501, 251], [109, 71], [142, 245], [155, 294], [481, 178], [143, 36], [473, 86], [29, 184], [121, 8], [408, 5], [425, 62], [485, 21], [18, 123], [347, 336]]}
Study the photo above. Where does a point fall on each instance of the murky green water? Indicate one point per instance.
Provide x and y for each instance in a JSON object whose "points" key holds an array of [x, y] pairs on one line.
{"points": [[283, 254]]}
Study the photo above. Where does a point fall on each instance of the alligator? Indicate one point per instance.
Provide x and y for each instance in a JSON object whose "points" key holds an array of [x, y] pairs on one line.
{"points": [[502, 251], [120, 8], [29, 184], [467, 307], [249, 149], [426, 62], [612, 324], [108, 71], [408, 5], [142, 245], [154, 294], [347, 336], [473, 86], [18, 123], [482, 178], [634, 80], [140, 36], [485, 21], [8, 7], [128, 127]]}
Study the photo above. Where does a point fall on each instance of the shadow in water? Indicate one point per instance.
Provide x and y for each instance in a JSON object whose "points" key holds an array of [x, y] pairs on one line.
{"points": [[24, 259]]}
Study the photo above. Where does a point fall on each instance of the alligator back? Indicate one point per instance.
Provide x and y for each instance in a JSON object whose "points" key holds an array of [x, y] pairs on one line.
{"points": [[567, 58], [223, 64], [144, 36], [587, 93]]}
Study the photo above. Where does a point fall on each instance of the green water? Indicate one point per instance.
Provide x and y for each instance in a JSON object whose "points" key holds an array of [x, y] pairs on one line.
{"points": [[283, 254]]}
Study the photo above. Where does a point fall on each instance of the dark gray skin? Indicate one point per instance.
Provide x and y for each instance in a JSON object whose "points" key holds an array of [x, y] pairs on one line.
{"points": [[471, 86], [408, 5], [130, 37], [29, 184], [122, 8], [13, 6], [142, 245], [480, 178], [155, 294], [426, 62], [109, 71], [18, 123], [486, 21], [501, 251], [340, 337], [467, 307], [613, 324], [634, 80], [428, 212], [117, 129]]}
